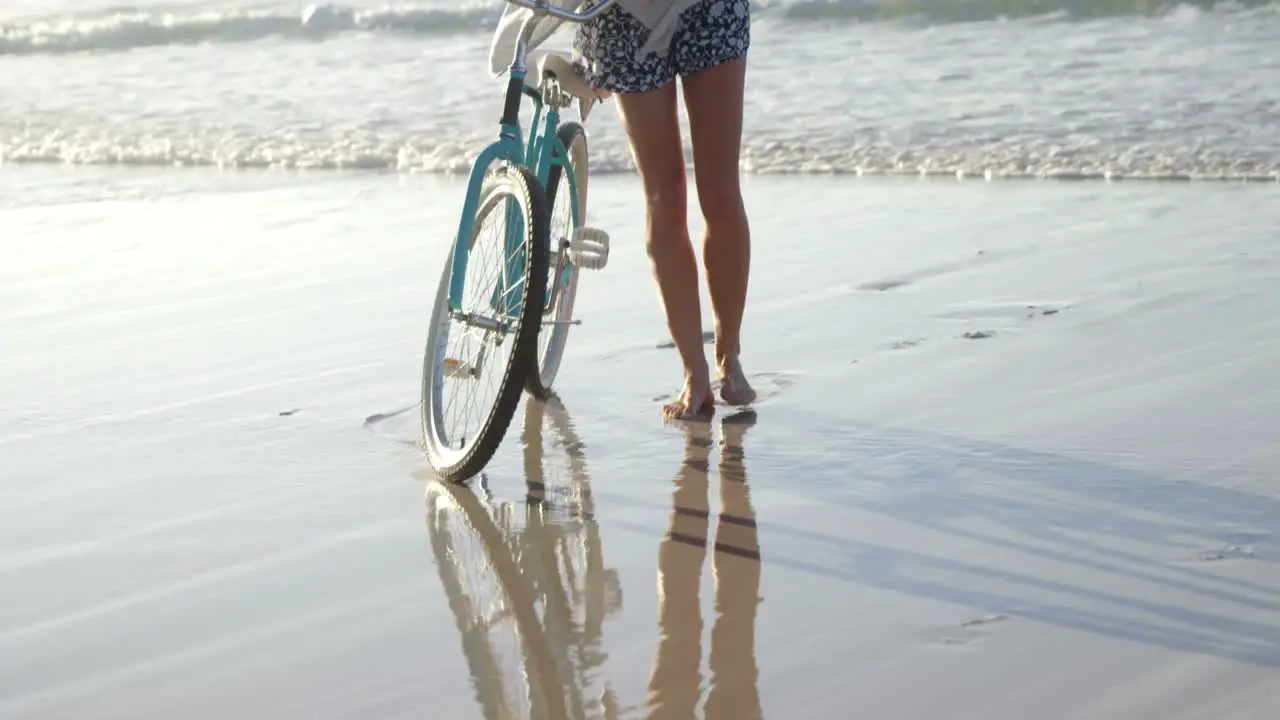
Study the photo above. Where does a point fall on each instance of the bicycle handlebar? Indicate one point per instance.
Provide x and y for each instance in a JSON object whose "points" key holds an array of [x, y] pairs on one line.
{"points": [[544, 7]]}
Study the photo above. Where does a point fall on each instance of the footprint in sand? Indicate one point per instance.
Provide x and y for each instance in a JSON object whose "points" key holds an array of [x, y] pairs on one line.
{"points": [[770, 385], [967, 633], [905, 344], [1033, 311], [885, 285], [911, 342], [398, 425], [1231, 548], [1228, 552], [1239, 546], [1002, 311]]}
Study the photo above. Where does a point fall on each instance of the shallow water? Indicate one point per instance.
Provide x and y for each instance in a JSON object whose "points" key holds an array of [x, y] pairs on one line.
{"points": [[1000, 88]]}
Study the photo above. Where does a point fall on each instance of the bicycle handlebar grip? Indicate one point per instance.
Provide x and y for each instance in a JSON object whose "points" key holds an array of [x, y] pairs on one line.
{"points": [[545, 6]]}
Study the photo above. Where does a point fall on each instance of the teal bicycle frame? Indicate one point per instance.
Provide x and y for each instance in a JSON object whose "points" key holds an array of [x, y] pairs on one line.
{"points": [[542, 153]]}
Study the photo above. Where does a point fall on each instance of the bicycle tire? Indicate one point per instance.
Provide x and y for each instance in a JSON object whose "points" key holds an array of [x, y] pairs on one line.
{"points": [[547, 364], [460, 464]]}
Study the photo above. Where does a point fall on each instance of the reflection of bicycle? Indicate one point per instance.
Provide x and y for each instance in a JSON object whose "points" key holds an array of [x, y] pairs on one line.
{"points": [[529, 598], [486, 339]]}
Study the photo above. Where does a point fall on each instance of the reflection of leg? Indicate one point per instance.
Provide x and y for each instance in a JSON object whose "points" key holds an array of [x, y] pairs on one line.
{"points": [[733, 693], [675, 683]]}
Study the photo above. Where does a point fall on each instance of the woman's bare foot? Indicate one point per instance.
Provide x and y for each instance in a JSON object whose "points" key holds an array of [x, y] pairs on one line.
{"points": [[735, 389], [695, 402]]}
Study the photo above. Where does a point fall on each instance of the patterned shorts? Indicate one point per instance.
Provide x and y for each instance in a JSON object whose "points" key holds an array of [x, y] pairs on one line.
{"points": [[710, 33]]}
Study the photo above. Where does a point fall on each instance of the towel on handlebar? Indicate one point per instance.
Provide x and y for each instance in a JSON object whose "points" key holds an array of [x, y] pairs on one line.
{"points": [[660, 16]]}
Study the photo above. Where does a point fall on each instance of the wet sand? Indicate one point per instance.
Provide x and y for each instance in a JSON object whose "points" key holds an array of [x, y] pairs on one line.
{"points": [[1014, 458]]}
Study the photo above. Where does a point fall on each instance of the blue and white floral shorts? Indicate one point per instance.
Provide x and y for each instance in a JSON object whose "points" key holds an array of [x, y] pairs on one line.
{"points": [[710, 33]]}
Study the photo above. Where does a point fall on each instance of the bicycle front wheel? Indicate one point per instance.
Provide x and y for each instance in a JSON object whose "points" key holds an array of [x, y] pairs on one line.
{"points": [[478, 357]]}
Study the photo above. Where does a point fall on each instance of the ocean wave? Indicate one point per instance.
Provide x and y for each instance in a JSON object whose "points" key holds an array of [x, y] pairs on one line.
{"points": [[126, 28], [418, 154], [118, 31], [940, 11]]}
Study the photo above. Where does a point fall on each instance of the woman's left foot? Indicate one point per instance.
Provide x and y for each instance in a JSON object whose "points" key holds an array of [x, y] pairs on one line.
{"points": [[735, 389]]}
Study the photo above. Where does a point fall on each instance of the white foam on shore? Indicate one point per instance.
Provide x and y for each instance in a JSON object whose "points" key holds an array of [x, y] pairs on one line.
{"points": [[419, 154], [117, 30], [120, 29], [124, 31]]}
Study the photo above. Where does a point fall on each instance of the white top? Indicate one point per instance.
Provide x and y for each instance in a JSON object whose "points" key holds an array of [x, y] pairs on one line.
{"points": [[660, 16]]}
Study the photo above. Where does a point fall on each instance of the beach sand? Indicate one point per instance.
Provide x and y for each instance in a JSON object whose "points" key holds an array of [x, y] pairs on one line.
{"points": [[1015, 458]]}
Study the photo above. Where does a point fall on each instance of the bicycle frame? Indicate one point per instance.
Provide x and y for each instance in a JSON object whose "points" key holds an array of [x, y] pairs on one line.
{"points": [[543, 151]]}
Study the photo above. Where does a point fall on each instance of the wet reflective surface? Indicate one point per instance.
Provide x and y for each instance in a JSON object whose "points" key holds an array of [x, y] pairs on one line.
{"points": [[527, 581], [530, 589], [913, 550], [1014, 458]]}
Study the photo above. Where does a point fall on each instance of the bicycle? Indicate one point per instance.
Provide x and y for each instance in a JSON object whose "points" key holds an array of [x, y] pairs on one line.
{"points": [[531, 285]]}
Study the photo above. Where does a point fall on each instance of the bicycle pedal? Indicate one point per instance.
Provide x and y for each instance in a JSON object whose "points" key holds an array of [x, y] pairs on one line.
{"points": [[589, 248]]}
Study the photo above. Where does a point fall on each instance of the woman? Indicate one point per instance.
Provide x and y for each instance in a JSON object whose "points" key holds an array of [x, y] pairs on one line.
{"points": [[704, 43]]}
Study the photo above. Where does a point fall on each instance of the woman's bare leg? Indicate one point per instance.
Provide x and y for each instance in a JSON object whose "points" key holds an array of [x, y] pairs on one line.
{"points": [[714, 99], [653, 129]]}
